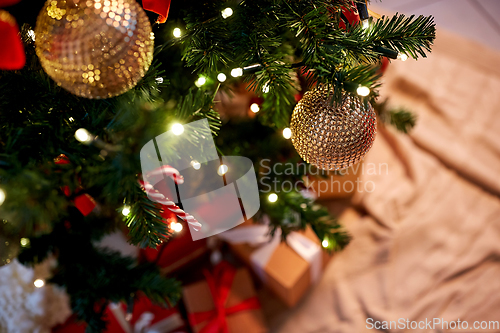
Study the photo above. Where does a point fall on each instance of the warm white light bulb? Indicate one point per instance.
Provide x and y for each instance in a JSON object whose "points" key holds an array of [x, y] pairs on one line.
{"points": [[287, 133], [177, 129], [24, 242], [83, 135], [159, 80], [2, 196], [39, 283], [402, 56], [196, 165], [126, 210], [201, 81], [273, 197], [221, 77], [325, 243], [365, 24], [363, 91], [222, 170], [235, 72], [177, 227], [265, 89], [227, 12], [31, 33], [177, 33], [255, 108]]}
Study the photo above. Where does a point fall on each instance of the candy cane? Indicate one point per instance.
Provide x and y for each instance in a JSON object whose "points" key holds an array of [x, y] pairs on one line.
{"points": [[160, 198], [168, 171]]}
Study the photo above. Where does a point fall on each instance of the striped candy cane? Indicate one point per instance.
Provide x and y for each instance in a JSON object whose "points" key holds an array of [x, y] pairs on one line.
{"points": [[168, 171], [160, 198]]}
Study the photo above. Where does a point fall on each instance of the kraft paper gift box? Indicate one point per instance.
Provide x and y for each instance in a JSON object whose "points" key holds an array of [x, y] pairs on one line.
{"points": [[288, 269], [225, 302]]}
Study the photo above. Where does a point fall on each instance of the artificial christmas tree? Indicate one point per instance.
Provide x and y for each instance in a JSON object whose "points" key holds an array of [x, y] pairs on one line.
{"points": [[204, 47]]}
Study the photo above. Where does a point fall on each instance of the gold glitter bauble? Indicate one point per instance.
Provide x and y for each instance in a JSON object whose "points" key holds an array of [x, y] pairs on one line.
{"points": [[332, 137], [94, 48]]}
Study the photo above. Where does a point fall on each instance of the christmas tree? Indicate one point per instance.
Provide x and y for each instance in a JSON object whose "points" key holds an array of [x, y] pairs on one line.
{"points": [[72, 132]]}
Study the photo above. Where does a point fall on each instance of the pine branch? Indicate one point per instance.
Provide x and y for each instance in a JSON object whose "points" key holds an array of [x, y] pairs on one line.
{"points": [[147, 228], [33, 202], [403, 120], [198, 104], [206, 39], [411, 35], [293, 212]]}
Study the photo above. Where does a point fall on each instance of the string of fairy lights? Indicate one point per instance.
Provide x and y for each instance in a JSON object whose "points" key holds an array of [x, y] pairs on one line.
{"points": [[239, 71], [84, 136]]}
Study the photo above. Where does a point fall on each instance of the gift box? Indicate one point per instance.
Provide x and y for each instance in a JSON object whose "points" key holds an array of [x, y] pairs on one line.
{"points": [[338, 184], [178, 252], [224, 302], [287, 269], [145, 318]]}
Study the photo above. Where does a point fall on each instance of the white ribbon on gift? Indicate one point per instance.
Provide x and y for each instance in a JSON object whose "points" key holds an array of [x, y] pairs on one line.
{"points": [[258, 235], [143, 324]]}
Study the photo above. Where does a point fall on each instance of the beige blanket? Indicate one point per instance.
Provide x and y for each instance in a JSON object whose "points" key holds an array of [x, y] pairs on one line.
{"points": [[428, 244]]}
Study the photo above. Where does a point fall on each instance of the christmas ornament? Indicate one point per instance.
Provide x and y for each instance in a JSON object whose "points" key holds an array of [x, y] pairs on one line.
{"points": [[12, 51], [170, 205], [94, 48], [332, 137], [154, 194]]}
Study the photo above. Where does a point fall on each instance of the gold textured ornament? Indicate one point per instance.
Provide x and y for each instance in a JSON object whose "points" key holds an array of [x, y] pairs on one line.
{"points": [[94, 48], [332, 137]]}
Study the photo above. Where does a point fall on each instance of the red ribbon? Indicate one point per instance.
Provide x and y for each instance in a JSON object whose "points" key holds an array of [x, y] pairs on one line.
{"points": [[220, 286], [160, 7]]}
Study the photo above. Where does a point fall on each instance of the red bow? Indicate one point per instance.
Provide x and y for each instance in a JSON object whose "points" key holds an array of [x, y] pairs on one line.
{"points": [[12, 51], [160, 7], [220, 286]]}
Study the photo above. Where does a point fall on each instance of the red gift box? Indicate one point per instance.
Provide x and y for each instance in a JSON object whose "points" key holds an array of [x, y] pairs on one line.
{"points": [[146, 318], [177, 252]]}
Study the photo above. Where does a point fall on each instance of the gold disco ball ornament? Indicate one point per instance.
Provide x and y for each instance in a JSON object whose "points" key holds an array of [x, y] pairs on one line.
{"points": [[332, 137], [94, 48]]}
